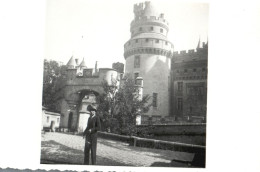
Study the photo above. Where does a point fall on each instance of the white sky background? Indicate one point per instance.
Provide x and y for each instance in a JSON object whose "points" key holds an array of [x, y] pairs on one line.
{"points": [[105, 27]]}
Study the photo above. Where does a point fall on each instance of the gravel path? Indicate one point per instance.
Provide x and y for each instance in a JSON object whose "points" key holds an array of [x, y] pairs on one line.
{"points": [[60, 147]]}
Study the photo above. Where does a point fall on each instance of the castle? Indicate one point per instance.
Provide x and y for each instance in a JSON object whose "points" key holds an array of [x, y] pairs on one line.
{"points": [[176, 81], [82, 86]]}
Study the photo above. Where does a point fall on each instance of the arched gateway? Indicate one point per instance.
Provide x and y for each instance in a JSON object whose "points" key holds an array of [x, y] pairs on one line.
{"points": [[83, 86]]}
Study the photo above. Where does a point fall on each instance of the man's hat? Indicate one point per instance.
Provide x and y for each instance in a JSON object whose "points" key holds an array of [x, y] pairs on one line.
{"points": [[91, 108]]}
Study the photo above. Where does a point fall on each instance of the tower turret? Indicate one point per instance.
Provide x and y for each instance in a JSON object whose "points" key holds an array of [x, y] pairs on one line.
{"points": [[71, 69], [148, 55], [198, 46], [71, 63], [83, 64]]}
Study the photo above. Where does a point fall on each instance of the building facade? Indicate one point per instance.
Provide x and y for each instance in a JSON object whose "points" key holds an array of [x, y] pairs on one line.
{"points": [[50, 120], [189, 82]]}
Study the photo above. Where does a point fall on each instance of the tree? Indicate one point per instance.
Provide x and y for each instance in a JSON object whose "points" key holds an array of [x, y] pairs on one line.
{"points": [[120, 105], [53, 78]]}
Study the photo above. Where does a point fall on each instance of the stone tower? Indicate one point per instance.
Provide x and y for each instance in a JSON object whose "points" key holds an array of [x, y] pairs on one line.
{"points": [[148, 55]]}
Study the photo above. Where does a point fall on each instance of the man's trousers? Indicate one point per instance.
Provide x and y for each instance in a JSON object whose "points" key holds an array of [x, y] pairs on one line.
{"points": [[90, 146]]}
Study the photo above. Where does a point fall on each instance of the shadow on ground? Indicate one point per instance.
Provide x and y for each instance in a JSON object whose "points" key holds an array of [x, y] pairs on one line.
{"points": [[56, 153], [53, 152], [156, 153]]}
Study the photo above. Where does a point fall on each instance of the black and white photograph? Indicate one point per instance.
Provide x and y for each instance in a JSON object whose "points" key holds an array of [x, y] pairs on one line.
{"points": [[129, 85], [118, 90]]}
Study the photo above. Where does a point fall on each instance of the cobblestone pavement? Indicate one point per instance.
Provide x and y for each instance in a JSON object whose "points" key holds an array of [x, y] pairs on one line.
{"points": [[60, 148]]}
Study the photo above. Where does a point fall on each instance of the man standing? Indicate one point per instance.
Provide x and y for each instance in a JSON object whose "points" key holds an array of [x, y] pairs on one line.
{"points": [[90, 134]]}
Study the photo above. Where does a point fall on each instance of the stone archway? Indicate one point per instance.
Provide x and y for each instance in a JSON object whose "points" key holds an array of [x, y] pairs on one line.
{"points": [[87, 97], [73, 107]]}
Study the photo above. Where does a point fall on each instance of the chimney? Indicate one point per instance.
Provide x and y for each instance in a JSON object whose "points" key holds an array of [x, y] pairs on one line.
{"points": [[203, 44]]}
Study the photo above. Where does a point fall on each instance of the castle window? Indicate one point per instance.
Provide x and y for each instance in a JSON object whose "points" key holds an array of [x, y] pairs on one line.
{"points": [[58, 120], [136, 41], [137, 62], [140, 29], [180, 86], [136, 75], [166, 43], [203, 69], [48, 118], [178, 71], [155, 95], [161, 30], [151, 28], [146, 40], [157, 40], [194, 70], [185, 70], [180, 103]]}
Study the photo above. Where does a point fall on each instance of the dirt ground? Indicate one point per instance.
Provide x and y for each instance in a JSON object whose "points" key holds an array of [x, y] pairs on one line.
{"points": [[61, 148]]}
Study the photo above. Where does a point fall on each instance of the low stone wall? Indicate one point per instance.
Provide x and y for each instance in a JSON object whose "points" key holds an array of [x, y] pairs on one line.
{"points": [[117, 137], [156, 144], [177, 129], [169, 120]]}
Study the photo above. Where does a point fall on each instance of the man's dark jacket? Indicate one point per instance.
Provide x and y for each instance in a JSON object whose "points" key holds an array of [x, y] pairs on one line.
{"points": [[93, 125], [91, 139]]}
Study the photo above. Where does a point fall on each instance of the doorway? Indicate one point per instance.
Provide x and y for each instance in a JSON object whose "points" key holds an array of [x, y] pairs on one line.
{"points": [[70, 121]]}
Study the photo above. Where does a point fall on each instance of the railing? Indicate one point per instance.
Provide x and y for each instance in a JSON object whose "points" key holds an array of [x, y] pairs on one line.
{"points": [[152, 143]]}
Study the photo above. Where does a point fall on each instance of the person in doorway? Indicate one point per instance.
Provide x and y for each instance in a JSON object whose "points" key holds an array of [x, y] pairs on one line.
{"points": [[90, 135]]}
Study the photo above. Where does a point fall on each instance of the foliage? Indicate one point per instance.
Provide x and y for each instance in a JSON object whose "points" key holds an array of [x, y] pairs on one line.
{"points": [[121, 104], [53, 78]]}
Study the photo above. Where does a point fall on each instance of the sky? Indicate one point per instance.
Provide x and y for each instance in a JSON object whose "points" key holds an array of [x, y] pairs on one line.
{"points": [[97, 30]]}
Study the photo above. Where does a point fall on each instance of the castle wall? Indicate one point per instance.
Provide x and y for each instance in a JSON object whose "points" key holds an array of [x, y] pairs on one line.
{"points": [[189, 83], [64, 114], [155, 71]]}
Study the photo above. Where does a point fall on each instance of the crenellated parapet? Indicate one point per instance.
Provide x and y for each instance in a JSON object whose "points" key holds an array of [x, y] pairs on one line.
{"points": [[90, 73], [138, 9], [191, 55], [148, 50], [148, 45], [80, 74], [190, 64], [148, 20]]}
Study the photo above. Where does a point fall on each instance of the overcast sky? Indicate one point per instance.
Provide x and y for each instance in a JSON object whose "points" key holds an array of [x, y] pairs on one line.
{"points": [[97, 30]]}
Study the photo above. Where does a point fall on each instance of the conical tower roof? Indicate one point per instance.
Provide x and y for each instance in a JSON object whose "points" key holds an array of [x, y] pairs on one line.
{"points": [[83, 64], [71, 62]]}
